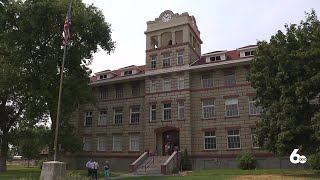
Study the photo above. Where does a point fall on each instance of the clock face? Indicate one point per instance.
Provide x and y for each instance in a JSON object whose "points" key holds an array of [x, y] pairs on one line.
{"points": [[166, 17]]}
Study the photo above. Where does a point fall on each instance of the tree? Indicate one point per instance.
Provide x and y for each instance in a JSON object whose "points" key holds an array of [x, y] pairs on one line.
{"points": [[29, 142], [31, 56], [286, 76]]}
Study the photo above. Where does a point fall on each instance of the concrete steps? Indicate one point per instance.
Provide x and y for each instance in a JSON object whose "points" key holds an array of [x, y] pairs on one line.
{"points": [[151, 166]]}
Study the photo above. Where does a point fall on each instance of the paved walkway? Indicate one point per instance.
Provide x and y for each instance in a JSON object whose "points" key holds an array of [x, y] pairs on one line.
{"points": [[123, 176]]}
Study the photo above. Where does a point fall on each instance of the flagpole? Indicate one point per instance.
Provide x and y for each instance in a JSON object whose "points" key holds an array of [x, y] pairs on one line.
{"points": [[60, 91]]}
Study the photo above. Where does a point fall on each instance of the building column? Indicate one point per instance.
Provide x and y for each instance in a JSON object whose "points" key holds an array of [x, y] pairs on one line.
{"points": [[159, 40], [173, 37]]}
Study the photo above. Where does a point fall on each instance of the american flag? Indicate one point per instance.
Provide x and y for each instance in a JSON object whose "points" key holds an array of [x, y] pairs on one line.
{"points": [[66, 27]]}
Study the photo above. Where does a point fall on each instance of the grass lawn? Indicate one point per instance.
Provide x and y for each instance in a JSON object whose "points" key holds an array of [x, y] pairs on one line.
{"points": [[15, 172]]}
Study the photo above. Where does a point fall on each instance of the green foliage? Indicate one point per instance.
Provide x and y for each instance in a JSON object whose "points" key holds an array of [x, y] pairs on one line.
{"points": [[175, 170], [186, 163], [26, 178], [31, 57], [247, 161], [286, 75], [314, 161], [73, 176]]}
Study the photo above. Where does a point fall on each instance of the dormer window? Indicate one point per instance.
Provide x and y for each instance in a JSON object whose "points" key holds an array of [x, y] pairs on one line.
{"points": [[128, 72], [249, 53], [103, 77], [215, 58]]}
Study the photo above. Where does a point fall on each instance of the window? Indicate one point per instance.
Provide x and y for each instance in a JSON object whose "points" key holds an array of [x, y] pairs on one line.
{"points": [[102, 118], [254, 138], [117, 143], [166, 85], [153, 86], [103, 77], [153, 62], [180, 58], [166, 60], [119, 92], [253, 109], [210, 141], [208, 109], [135, 115], [207, 80], [229, 78], [88, 119], [249, 53], [215, 58], [87, 144], [181, 82], [103, 93], [118, 116], [153, 112], [232, 107], [102, 144], [234, 139], [128, 72], [167, 111], [181, 110], [134, 143], [135, 89]]}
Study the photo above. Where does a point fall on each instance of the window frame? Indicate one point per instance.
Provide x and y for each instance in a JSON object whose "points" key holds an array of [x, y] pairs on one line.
{"points": [[230, 78], [104, 93], [166, 83], [168, 110], [104, 114], [207, 137], [210, 81], [114, 142], [166, 60], [88, 115], [153, 86], [208, 106], [151, 111], [153, 62], [132, 113], [132, 138], [180, 58], [226, 111], [117, 113], [98, 143], [254, 139], [119, 92], [181, 83], [238, 135], [84, 140], [181, 110], [135, 89], [256, 109]]}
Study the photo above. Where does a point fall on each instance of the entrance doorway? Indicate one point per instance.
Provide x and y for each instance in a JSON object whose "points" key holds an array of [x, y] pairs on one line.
{"points": [[170, 137]]}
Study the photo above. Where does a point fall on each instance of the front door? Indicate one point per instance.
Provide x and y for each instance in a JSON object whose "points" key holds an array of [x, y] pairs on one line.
{"points": [[171, 137]]}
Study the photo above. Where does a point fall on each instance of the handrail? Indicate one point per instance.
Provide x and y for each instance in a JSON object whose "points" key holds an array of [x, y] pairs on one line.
{"points": [[147, 165]]}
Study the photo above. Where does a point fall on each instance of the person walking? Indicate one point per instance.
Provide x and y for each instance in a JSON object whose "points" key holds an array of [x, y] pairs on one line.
{"points": [[89, 167], [95, 170], [107, 170]]}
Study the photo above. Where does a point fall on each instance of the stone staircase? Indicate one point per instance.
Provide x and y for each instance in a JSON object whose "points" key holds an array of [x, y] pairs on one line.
{"points": [[151, 166]]}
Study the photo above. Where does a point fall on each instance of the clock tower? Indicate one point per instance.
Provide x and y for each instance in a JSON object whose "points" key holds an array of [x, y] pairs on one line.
{"points": [[172, 40]]}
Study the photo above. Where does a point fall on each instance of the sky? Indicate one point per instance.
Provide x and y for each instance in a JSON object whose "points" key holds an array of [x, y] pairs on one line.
{"points": [[223, 24]]}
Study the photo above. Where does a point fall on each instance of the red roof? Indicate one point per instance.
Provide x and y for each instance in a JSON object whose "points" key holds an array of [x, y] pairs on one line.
{"points": [[230, 55], [249, 46]]}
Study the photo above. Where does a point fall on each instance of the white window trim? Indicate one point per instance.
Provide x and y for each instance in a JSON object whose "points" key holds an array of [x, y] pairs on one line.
{"points": [[255, 134], [163, 112], [184, 110], [166, 57], [181, 79], [113, 143], [180, 54], [153, 59], [130, 141], [153, 82], [166, 81], [255, 107], [104, 115], [214, 109], [204, 140], [151, 112], [98, 143], [233, 136], [114, 116], [84, 140], [211, 78], [138, 112], [225, 107]]}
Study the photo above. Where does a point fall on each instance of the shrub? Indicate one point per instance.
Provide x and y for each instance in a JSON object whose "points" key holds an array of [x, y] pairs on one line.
{"points": [[314, 161], [247, 161], [40, 162], [186, 164]]}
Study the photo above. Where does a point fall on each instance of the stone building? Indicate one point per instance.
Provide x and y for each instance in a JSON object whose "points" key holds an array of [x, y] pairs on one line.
{"points": [[199, 102]]}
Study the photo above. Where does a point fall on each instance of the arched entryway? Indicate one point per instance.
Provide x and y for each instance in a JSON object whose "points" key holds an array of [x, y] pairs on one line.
{"points": [[167, 135]]}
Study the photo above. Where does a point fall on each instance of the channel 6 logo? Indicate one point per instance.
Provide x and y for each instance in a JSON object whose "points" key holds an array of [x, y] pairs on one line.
{"points": [[295, 158]]}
